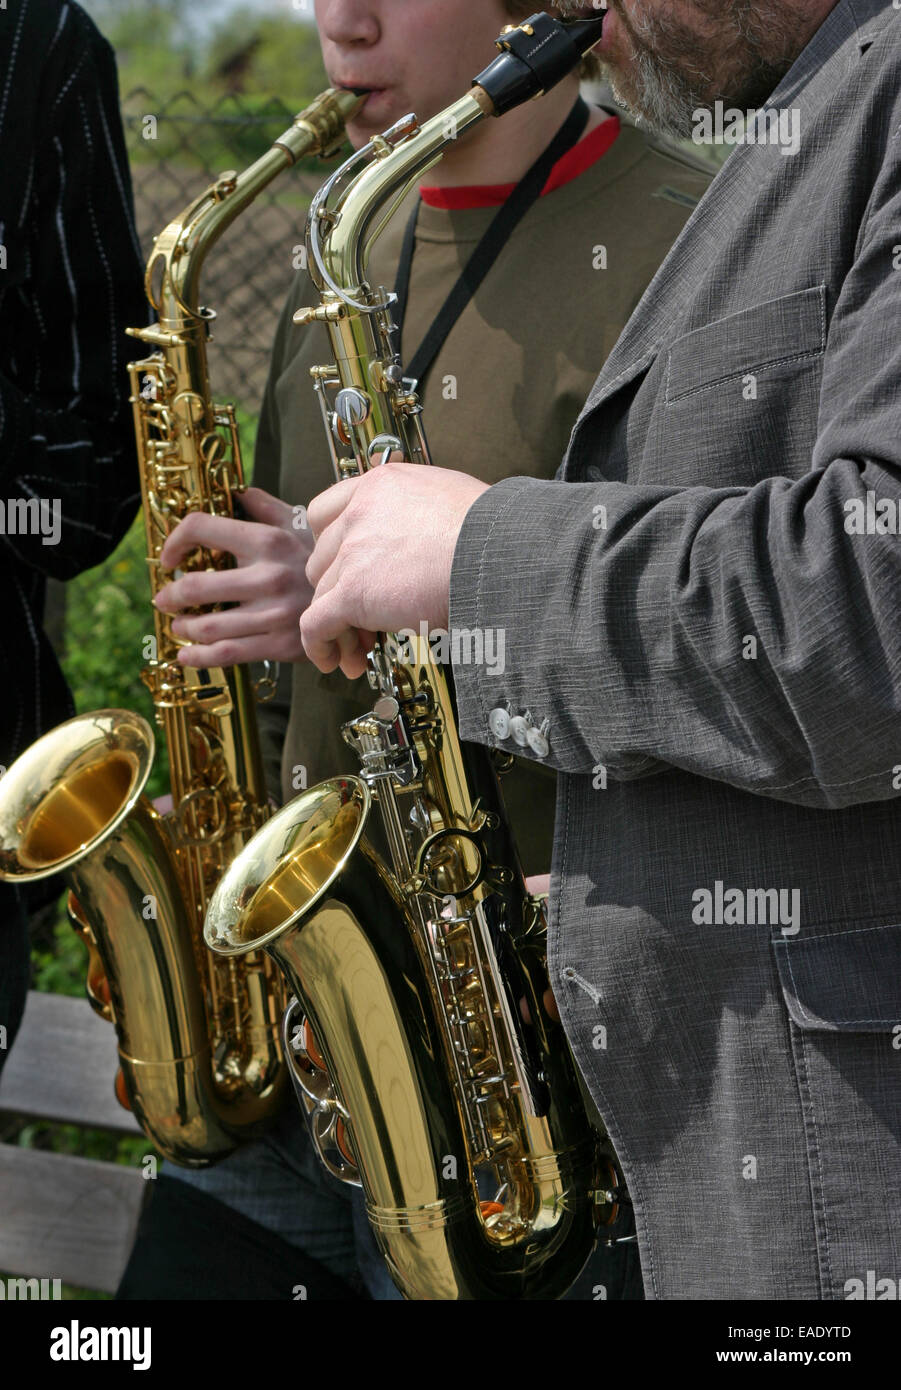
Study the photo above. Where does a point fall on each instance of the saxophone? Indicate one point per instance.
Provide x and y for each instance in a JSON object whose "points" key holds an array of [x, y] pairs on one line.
{"points": [[409, 938], [200, 1059]]}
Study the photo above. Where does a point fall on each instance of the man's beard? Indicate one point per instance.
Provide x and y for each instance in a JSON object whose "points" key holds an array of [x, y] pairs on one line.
{"points": [[738, 55]]}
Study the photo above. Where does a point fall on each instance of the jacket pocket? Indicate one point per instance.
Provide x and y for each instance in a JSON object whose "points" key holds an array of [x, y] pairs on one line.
{"points": [[845, 980], [753, 341], [742, 396], [842, 991]]}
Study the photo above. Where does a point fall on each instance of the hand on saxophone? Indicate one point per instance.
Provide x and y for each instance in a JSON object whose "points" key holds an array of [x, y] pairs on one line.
{"points": [[269, 586], [384, 548]]}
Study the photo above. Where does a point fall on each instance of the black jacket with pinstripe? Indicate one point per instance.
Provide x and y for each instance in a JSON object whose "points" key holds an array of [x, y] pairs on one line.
{"points": [[70, 282]]}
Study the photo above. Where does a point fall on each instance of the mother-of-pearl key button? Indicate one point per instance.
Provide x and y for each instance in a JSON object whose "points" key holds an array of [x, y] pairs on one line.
{"points": [[499, 723]]}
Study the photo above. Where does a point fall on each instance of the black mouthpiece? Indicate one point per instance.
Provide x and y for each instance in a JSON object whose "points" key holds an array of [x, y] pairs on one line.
{"points": [[535, 56]]}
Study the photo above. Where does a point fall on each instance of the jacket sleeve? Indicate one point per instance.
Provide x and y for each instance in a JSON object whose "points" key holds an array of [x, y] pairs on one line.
{"points": [[74, 280], [748, 635]]}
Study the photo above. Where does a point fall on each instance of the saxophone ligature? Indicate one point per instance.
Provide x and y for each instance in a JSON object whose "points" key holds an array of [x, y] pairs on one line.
{"points": [[421, 1049], [200, 1057]]}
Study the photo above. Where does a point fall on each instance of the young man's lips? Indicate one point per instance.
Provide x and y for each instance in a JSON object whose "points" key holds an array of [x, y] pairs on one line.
{"points": [[364, 89]]}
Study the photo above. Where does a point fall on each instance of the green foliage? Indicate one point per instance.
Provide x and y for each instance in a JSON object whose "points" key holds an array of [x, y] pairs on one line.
{"points": [[98, 1144], [108, 618], [69, 1291], [247, 432], [282, 55], [149, 49], [245, 51], [219, 95], [62, 970]]}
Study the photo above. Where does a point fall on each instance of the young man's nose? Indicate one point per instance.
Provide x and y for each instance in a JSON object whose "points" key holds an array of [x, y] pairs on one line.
{"points": [[348, 21]]}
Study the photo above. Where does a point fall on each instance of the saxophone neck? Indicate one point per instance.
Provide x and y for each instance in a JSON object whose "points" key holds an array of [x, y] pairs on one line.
{"points": [[173, 270], [370, 187]]}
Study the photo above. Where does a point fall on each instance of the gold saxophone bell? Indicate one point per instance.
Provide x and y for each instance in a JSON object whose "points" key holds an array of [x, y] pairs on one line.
{"points": [[74, 804], [71, 791], [366, 1047]]}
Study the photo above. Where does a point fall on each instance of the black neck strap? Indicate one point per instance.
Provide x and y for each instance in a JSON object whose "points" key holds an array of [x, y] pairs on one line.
{"points": [[526, 193]]}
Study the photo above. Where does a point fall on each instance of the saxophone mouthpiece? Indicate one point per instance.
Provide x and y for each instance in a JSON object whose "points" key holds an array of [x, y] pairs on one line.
{"points": [[535, 56]]}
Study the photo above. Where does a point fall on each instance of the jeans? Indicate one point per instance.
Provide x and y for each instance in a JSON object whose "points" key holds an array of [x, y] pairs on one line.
{"points": [[280, 1184]]}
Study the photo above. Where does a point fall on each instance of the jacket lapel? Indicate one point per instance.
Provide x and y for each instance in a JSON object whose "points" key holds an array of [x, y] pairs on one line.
{"points": [[836, 46]]}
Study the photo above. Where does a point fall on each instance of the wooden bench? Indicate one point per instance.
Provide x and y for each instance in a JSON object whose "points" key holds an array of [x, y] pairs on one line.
{"points": [[63, 1217]]}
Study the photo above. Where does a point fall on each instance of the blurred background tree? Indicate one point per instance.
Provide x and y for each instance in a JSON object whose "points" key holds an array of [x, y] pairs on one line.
{"points": [[253, 48], [271, 54]]}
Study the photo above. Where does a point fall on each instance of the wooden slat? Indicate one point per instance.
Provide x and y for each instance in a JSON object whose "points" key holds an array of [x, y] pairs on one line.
{"points": [[67, 1218], [62, 1066]]}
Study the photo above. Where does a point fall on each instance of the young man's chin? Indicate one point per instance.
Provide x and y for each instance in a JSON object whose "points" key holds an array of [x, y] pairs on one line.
{"points": [[378, 113]]}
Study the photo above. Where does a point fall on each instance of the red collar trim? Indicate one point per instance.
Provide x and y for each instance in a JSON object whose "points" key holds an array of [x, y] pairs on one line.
{"points": [[574, 163]]}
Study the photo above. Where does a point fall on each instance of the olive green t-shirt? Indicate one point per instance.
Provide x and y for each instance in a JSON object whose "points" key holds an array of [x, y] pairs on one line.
{"points": [[500, 400]]}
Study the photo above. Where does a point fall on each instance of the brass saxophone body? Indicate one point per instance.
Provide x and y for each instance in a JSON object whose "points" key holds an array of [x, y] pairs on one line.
{"points": [[394, 902], [201, 1063]]}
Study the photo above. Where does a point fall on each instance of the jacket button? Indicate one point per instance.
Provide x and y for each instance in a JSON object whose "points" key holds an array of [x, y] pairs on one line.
{"points": [[520, 726], [499, 723], [538, 740]]}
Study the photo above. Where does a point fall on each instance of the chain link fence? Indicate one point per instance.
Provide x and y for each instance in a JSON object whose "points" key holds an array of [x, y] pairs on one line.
{"points": [[176, 148]]}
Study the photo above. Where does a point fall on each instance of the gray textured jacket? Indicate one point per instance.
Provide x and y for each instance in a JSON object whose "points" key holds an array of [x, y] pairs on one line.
{"points": [[707, 610]]}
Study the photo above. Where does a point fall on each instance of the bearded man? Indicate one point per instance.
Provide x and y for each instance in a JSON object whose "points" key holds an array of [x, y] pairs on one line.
{"points": [[701, 611]]}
